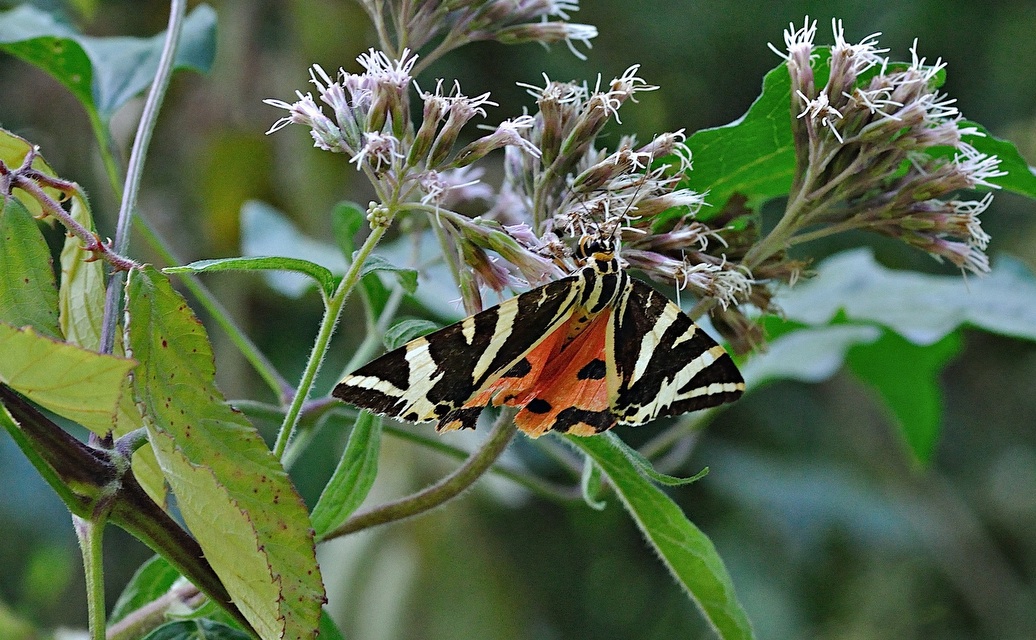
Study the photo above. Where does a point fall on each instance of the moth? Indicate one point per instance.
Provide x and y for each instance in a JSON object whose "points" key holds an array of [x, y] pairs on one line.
{"points": [[578, 355]]}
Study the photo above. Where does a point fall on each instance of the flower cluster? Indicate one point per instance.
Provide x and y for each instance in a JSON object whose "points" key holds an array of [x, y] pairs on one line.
{"points": [[458, 22], [574, 188], [880, 148]]}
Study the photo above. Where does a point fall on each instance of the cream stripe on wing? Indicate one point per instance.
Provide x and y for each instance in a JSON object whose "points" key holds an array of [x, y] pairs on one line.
{"points": [[668, 391], [650, 341]]}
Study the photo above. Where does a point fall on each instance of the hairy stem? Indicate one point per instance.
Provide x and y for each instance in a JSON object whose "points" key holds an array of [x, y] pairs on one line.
{"points": [[543, 488], [439, 493], [332, 311], [91, 534]]}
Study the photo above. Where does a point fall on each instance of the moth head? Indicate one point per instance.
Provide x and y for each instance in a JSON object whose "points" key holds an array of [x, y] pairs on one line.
{"points": [[600, 248]]}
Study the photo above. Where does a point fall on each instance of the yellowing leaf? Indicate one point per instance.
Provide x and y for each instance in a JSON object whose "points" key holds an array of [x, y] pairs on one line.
{"points": [[233, 493], [75, 383], [81, 295], [12, 152]]}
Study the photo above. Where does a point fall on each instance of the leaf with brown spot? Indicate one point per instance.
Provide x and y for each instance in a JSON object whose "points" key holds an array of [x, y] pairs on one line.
{"points": [[259, 542]]}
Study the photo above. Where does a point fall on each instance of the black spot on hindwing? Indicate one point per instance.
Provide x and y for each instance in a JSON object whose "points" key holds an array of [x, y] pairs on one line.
{"points": [[539, 405]]}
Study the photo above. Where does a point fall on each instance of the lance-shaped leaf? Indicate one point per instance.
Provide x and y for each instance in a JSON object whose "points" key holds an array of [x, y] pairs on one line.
{"points": [[687, 552], [354, 476], [28, 292], [232, 492], [324, 278], [75, 383]]}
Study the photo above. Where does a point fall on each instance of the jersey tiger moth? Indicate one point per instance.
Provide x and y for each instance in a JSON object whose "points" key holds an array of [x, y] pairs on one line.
{"points": [[579, 355]]}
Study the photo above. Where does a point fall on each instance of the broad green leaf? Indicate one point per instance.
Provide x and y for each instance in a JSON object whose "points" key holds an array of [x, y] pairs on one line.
{"points": [[324, 278], [196, 630], [346, 220], [645, 467], [920, 307], [28, 292], [232, 492], [754, 155], [687, 552], [406, 330], [73, 382], [907, 378], [352, 480], [81, 293], [267, 232], [151, 581], [13, 150], [407, 277], [103, 73]]}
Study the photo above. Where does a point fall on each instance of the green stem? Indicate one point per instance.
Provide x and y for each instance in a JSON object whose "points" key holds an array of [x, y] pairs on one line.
{"points": [[449, 487], [535, 484], [327, 326], [91, 535]]}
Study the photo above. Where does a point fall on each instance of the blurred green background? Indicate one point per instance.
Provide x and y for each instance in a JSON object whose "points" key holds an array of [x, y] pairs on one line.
{"points": [[828, 527]]}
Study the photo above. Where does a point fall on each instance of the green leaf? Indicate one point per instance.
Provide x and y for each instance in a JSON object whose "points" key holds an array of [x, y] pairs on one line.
{"points": [[233, 494], [687, 552], [353, 478], [920, 307], [151, 581], [81, 294], [407, 277], [28, 292], [406, 330], [645, 467], [754, 155], [591, 483], [103, 73], [907, 378], [324, 278], [13, 150], [75, 383], [196, 630], [346, 220]]}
